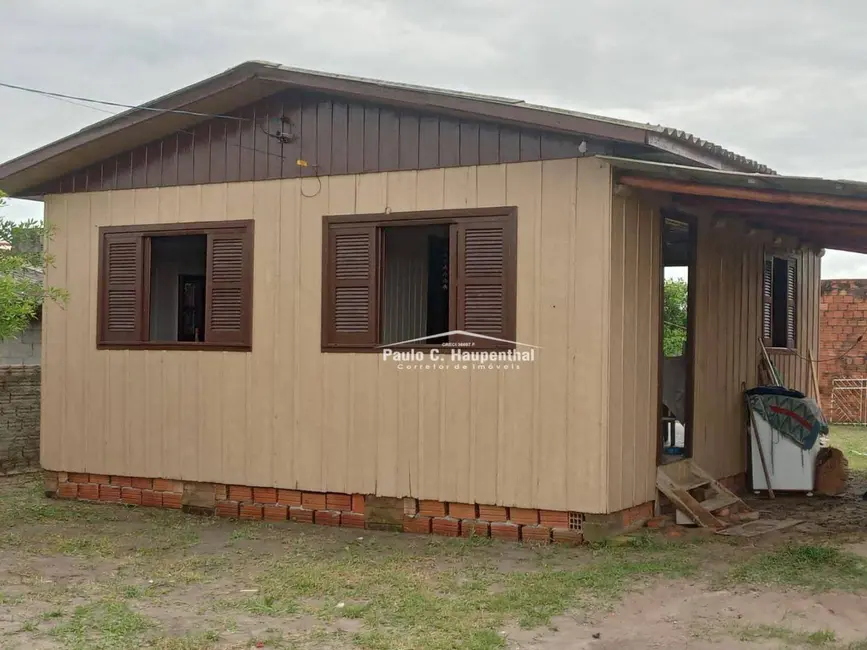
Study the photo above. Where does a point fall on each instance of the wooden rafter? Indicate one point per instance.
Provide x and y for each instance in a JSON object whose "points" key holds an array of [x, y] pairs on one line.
{"points": [[747, 194]]}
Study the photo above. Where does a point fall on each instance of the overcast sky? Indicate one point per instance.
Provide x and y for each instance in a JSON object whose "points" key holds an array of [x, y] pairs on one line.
{"points": [[781, 81]]}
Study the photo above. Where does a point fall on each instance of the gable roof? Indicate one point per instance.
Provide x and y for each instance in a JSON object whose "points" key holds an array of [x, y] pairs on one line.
{"points": [[254, 80]]}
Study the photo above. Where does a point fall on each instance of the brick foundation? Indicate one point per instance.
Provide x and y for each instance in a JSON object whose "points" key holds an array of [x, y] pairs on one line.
{"points": [[842, 319], [345, 510]]}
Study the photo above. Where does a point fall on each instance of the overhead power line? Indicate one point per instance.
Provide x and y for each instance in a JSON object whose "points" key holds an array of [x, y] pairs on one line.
{"points": [[120, 105]]}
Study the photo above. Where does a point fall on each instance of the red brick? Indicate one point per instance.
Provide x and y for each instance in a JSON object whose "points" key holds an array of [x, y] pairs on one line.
{"points": [[428, 508], [88, 491], [352, 520], [301, 515], [109, 493], [493, 513], [505, 530], [251, 511], [131, 495], [327, 517], [152, 499], [636, 514], [67, 490], [171, 500], [566, 536], [265, 495], [227, 509], [100, 479], [167, 485], [313, 500], [554, 518], [337, 501], [240, 493], [657, 522], [273, 512], [358, 503], [463, 510], [524, 516], [78, 477], [416, 524], [446, 526], [289, 497], [536, 534], [121, 481], [475, 528], [142, 483]]}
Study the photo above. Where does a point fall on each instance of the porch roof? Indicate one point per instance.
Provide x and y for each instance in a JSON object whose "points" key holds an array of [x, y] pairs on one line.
{"points": [[825, 212]]}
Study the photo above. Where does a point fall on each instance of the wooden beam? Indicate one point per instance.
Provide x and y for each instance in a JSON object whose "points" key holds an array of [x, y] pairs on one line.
{"points": [[764, 209], [762, 196]]}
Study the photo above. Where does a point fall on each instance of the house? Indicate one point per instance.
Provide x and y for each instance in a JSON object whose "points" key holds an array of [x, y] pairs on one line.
{"points": [[244, 255], [842, 369]]}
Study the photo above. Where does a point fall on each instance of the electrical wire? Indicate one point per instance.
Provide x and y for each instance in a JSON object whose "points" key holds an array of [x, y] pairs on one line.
{"points": [[139, 107]]}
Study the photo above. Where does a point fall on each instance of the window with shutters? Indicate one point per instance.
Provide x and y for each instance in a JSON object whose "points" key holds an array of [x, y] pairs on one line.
{"points": [[779, 302], [176, 286], [418, 278]]}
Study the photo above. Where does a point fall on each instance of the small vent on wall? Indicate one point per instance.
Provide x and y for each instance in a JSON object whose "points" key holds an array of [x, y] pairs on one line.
{"points": [[576, 521]]}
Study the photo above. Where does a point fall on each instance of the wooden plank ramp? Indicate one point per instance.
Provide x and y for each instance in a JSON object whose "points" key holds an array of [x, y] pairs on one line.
{"points": [[706, 501]]}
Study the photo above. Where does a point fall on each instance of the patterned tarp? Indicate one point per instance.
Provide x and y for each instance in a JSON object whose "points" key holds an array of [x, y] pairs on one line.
{"points": [[795, 416]]}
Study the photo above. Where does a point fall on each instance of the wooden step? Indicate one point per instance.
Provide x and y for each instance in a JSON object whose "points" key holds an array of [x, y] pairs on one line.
{"points": [[719, 502]]}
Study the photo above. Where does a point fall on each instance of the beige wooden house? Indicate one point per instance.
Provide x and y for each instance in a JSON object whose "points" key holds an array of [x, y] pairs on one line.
{"points": [[238, 261]]}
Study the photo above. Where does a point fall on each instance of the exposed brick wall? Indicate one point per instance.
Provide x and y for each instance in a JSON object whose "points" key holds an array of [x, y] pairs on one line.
{"points": [[345, 510], [842, 318], [19, 418]]}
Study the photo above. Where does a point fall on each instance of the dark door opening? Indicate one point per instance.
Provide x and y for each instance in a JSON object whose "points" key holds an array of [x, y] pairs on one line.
{"points": [[191, 308], [677, 338]]}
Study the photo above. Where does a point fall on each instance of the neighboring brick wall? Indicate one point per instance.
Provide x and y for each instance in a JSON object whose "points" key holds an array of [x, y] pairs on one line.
{"points": [[346, 510], [26, 349], [19, 418], [842, 319]]}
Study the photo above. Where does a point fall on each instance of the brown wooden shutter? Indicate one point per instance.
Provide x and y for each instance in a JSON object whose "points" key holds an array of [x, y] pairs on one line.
{"points": [[229, 286], [121, 312], [768, 300], [350, 310], [791, 303], [485, 277]]}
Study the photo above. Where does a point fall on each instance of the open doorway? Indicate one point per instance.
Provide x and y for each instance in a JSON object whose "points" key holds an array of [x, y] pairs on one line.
{"points": [[677, 338]]}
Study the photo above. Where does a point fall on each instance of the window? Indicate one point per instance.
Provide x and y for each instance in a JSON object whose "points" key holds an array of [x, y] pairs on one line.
{"points": [[415, 277], [779, 302], [169, 286]]}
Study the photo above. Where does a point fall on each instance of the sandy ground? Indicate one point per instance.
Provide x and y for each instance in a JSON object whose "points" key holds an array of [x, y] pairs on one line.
{"points": [[661, 613]]}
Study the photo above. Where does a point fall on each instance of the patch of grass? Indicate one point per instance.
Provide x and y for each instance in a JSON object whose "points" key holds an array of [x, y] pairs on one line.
{"points": [[89, 546], [197, 641], [187, 570], [819, 568], [852, 441], [411, 600], [103, 625], [787, 635], [25, 503]]}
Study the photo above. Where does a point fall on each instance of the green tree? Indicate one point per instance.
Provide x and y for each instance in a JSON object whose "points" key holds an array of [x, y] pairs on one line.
{"points": [[22, 261], [674, 317]]}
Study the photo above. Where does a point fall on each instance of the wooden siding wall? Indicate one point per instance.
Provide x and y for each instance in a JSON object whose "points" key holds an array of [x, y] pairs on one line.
{"points": [[633, 352], [333, 136], [728, 317], [288, 415]]}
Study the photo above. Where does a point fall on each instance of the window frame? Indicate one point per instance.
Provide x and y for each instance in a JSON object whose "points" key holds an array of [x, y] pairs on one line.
{"points": [[421, 218], [147, 232], [791, 261]]}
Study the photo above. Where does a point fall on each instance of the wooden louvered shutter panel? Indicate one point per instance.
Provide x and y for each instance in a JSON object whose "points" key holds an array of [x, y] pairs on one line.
{"points": [[768, 300], [350, 312], [485, 277], [229, 287], [121, 301], [791, 303]]}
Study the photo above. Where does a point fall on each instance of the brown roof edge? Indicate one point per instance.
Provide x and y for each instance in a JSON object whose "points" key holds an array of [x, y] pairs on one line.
{"points": [[253, 80], [178, 99]]}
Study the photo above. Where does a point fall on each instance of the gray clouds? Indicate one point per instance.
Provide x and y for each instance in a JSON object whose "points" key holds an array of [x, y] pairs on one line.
{"points": [[781, 81]]}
